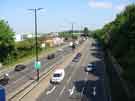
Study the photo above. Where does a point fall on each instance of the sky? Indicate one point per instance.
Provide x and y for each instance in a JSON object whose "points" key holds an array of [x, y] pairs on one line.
{"points": [[58, 15]]}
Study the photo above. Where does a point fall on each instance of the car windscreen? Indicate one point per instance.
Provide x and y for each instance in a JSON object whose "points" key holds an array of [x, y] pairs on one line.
{"points": [[57, 75], [90, 65]]}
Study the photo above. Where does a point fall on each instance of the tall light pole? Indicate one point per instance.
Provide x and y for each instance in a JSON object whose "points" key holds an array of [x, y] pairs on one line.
{"points": [[36, 39], [72, 29]]}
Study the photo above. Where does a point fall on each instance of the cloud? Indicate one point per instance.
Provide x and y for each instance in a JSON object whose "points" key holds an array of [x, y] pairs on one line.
{"points": [[121, 7], [99, 4]]}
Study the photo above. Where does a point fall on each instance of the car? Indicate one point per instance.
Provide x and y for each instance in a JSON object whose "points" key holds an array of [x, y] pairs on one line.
{"points": [[90, 67], [51, 56], [4, 79], [58, 76], [79, 54], [19, 67], [70, 44], [76, 59]]}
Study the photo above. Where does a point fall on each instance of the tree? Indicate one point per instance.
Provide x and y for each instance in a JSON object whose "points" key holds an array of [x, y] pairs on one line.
{"points": [[85, 32], [119, 36], [6, 41]]}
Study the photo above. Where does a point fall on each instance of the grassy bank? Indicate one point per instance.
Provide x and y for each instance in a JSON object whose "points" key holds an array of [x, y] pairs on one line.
{"points": [[30, 57]]}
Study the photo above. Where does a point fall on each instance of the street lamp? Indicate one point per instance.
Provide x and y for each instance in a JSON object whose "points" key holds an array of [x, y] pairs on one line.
{"points": [[72, 29], [36, 39]]}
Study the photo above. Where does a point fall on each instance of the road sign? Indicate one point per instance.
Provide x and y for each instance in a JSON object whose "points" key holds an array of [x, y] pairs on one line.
{"points": [[37, 65]]}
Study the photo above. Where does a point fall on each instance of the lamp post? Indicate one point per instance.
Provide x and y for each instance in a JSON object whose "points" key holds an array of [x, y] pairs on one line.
{"points": [[72, 29], [36, 40]]}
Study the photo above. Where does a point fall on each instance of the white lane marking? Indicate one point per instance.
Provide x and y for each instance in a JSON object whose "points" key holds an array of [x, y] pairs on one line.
{"points": [[94, 91], [86, 78], [71, 91], [82, 91], [48, 92], [62, 91]]}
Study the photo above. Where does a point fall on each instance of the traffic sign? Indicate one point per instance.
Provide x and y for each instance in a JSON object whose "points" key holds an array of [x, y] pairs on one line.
{"points": [[37, 65]]}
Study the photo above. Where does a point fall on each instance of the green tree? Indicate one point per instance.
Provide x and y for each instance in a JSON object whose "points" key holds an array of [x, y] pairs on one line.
{"points": [[119, 37], [85, 31], [6, 41]]}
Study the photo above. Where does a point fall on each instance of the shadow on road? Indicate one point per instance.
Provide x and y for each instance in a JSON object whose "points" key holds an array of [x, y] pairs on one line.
{"points": [[84, 90], [97, 54]]}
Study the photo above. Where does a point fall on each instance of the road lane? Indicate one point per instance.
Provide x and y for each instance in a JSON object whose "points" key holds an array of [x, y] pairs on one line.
{"points": [[70, 71], [20, 78], [79, 85]]}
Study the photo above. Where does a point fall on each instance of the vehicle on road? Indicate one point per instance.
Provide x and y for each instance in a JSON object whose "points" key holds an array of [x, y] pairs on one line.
{"points": [[5, 79], [71, 44], [19, 67], [58, 76], [51, 56], [89, 67], [77, 57], [79, 54]]}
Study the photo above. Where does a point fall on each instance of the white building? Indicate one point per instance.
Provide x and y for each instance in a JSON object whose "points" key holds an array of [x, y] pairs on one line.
{"points": [[18, 37], [21, 37]]}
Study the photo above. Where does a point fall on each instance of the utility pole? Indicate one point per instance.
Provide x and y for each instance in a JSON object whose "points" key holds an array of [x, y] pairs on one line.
{"points": [[72, 29], [37, 63]]}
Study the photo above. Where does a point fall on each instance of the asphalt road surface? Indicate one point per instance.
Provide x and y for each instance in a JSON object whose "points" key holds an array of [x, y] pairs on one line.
{"points": [[79, 85], [17, 79]]}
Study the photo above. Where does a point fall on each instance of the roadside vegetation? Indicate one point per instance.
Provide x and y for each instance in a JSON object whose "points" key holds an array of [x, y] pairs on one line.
{"points": [[12, 52], [75, 34], [118, 37]]}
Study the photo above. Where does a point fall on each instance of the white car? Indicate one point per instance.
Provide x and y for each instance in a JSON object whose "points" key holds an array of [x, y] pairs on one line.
{"points": [[58, 76], [71, 44], [89, 67]]}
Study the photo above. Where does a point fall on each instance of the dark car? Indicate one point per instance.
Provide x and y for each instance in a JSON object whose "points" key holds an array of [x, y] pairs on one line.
{"points": [[4, 80], [20, 67], [79, 54], [76, 59], [51, 56]]}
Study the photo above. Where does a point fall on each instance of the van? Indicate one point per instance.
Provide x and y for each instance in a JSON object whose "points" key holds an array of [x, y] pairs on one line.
{"points": [[58, 76]]}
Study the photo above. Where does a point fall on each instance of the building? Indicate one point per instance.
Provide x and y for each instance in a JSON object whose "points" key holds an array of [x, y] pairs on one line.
{"points": [[52, 40], [18, 37], [23, 36]]}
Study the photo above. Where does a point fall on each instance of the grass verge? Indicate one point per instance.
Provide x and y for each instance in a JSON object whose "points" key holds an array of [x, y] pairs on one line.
{"points": [[30, 57]]}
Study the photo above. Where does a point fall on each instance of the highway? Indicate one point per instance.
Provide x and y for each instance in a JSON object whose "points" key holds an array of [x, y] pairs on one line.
{"points": [[18, 79], [79, 85]]}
